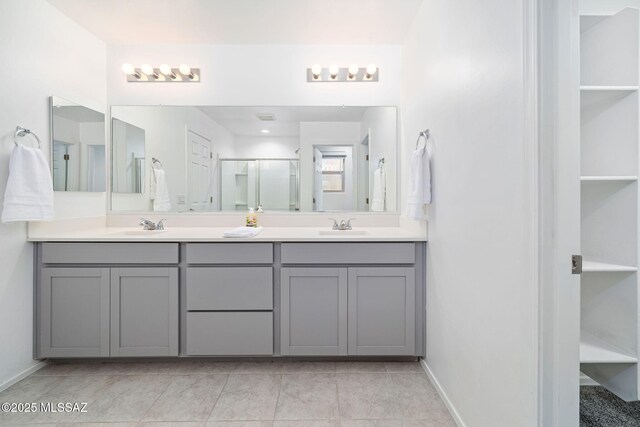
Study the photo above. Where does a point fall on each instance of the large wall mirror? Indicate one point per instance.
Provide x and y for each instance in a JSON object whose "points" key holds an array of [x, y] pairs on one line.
{"points": [[182, 159], [78, 161]]}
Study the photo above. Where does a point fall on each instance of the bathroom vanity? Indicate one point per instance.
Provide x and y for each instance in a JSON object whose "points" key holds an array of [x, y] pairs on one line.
{"points": [[120, 295]]}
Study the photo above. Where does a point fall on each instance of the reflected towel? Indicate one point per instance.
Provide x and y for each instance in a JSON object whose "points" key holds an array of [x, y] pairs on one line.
{"points": [[160, 191], [420, 184], [243, 232], [29, 193], [379, 190]]}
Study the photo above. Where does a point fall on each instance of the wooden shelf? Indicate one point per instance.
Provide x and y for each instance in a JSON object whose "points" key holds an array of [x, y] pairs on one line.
{"points": [[594, 350], [603, 267], [595, 178]]}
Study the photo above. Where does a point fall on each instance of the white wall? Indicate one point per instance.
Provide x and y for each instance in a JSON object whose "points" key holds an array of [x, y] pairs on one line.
{"points": [[44, 53], [606, 7], [463, 78], [266, 147]]}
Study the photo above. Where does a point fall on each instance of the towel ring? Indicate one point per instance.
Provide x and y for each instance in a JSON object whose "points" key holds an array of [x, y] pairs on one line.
{"points": [[22, 132], [424, 134], [156, 162]]}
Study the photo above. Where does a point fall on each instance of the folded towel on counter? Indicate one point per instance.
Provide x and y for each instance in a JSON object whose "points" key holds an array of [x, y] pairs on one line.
{"points": [[379, 190], [160, 191], [420, 183], [243, 232], [29, 193]]}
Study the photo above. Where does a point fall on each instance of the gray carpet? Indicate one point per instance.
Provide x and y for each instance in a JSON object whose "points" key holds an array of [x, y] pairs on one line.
{"points": [[601, 408]]}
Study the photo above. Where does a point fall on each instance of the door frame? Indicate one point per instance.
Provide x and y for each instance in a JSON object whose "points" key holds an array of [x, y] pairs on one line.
{"points": [[556, 106]]}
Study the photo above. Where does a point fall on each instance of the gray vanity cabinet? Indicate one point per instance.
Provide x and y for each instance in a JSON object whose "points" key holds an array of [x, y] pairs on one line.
{"points": [[74, 312], [144, 311], [314, 311], [382, 317]]}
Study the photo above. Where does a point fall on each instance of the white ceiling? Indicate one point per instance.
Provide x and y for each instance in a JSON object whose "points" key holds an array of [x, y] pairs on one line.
{"points": [[244, 21], [243, 121]]}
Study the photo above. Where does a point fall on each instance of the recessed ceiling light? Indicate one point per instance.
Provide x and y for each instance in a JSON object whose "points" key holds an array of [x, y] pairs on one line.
{"points": [[265, 131]]}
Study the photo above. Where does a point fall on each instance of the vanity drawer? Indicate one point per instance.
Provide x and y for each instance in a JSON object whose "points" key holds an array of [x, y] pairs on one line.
{"points": [[230, 253], [229, 288], [110, 253], [349, 253], [229, 333]]}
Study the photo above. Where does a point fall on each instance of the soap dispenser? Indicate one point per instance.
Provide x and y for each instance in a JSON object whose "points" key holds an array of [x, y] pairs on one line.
{"points": [[252, 218]]}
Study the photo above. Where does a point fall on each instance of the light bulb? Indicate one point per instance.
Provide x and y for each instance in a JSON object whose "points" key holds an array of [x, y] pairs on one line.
{"points": [[353, 70], [316, 70], [265, 131], [185, 69], [147, 69], [128, 69], [333, 70], [166, 69], [371, 69]]}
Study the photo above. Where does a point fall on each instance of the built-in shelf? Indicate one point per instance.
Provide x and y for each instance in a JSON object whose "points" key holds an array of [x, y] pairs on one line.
{"points": [[609, 88], [594, 350], [595, 178], [603, 267]]}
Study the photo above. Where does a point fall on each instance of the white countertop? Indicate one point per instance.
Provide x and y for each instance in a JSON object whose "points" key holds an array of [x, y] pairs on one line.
{"points": [[214, 234]]}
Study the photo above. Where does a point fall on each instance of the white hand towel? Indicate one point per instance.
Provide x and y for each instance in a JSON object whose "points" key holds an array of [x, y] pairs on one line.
{"points": [[29, 193], [160, 191], [379, 190], [243, 232], [420, 185]]}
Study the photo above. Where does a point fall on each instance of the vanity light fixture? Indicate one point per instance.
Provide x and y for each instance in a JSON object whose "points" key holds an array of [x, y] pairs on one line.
{"points": [[351, 74], [146, 73]]}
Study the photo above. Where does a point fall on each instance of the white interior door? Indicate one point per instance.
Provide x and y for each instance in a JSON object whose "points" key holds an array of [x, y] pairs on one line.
{"points": [[199, 181], [317, 180]]}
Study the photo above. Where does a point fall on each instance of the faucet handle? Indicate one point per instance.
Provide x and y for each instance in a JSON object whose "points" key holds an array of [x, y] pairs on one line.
{"points": [[160, 224], [349, 223], [335, 223]]}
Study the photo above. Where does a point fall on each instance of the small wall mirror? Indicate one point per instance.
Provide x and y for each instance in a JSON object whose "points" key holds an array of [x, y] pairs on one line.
{"points": [[284, 158], [78, 160]]}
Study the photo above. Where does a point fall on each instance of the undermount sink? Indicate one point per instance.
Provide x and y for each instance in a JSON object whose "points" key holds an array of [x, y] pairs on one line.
{"points": [[343, 233], [139, 232]]}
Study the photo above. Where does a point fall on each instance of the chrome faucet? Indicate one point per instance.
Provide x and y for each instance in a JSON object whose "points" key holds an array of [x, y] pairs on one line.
{"points": [[150, 225], [344, 225]]}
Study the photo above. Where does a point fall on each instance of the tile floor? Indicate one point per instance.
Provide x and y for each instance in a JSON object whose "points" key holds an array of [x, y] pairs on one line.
{"points": [[232, 394]]}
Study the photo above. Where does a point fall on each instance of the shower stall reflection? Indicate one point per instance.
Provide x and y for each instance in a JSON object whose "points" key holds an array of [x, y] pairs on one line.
{"points": [[247, 183]]}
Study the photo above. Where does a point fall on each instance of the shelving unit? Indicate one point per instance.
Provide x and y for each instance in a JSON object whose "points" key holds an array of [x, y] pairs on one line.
{"points": [[610, 130]]}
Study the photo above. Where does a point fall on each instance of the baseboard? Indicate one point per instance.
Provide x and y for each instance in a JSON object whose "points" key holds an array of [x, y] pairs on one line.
{"points": [[586, 380], [442, 394], [22, 375]]}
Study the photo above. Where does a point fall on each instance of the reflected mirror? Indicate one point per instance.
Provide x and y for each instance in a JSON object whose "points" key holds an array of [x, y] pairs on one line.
{"points": [[77, 147], [128, 157], [179, 158]]}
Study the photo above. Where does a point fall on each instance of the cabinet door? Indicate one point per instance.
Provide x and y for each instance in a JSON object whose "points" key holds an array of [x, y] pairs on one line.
{"points": [[314, 311], [382, 311], [74, 312], [144, 311]]}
